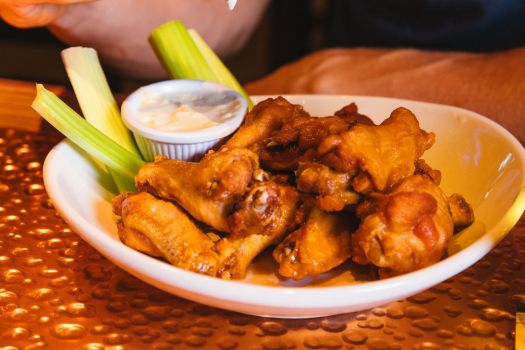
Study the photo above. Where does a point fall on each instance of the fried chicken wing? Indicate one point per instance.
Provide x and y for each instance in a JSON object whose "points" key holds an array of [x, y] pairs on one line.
{"points": [[404, 230], [377, 157], [321, 244], [208, 189], [298, 139], [265, 119], [268, 212], [461, 211], [332, 189], [269, 208], [166, 228], [236, 253]]}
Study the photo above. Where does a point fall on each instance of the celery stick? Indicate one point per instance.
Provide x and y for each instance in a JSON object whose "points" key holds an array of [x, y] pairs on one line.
{"points": [[178, 53], [97, 102], [85, 135], [185, 55], [221, 72]]}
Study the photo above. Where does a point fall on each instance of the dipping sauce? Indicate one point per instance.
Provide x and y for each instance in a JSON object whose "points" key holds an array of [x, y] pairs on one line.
{"points": [[192, 111], [182, 119]]}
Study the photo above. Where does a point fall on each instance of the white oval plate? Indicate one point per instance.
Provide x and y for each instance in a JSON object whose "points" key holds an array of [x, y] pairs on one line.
{"points": [[477, 157]]}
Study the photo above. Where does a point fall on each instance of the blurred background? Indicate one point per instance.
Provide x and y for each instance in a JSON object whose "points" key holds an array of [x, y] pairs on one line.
{"points": [[292, 28], [34, 54]]}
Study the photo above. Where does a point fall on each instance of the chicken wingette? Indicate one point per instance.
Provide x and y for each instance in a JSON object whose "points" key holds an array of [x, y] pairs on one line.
{"points": [[208, 189]]}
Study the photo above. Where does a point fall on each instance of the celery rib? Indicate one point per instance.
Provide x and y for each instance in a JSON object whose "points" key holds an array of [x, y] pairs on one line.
{"points": [[97, 103], [185, 55], [221, 72], [85, 135]]}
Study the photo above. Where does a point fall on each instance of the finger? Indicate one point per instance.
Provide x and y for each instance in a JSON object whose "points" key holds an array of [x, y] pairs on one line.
{"points": [[35, 2], [26, 16]]}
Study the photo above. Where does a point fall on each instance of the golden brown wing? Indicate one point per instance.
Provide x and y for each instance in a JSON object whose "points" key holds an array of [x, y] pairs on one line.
{"points": [[299, 137], [269, 208], [321, 244], [236, 254], [268, 212], [168, 229], [208, 189], [378, 157], [461, 211], [404, 230], [332, 189], [264, 120]]}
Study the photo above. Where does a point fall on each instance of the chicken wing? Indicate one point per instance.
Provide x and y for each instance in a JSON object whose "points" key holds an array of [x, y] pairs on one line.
{"points": [[268, 212], [377, 157], [332, 189], [461, 211], [166, 228], [208, 189], [236, 253], [404, 230], [269, 208], [265, 119], [321, 244], [299, 137]]}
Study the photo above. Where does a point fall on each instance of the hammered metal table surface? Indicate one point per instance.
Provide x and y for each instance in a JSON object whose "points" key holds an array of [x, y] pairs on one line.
{"points": [[56, 292]]}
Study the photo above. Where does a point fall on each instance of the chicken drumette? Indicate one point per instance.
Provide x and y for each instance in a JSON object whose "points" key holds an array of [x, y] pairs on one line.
{"points": [[405, 229], [377, 157], [208, 189], [319, 245]]}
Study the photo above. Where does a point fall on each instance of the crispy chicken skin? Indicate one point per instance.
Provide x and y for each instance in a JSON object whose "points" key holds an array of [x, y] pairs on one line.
{"points": [[377, 157], [131, 237], [160, 228], [267, 209], [236, 253], [331, 188], [208, 189], [461, 211], [168, 229], [266, 118], [405, 229], [298, 139], [268, 212], [321, 244]]}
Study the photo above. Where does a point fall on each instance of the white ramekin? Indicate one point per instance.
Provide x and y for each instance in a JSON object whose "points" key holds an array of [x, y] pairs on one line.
{"points": [[184, 145]]}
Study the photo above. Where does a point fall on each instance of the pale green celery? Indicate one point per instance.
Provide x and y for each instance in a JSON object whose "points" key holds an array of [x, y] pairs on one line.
{"points": [[222, 73], [85, 135], [97, 102], [185, 55], [178, 53]]}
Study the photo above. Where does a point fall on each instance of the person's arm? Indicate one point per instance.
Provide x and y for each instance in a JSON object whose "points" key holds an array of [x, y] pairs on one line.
{"points": [[490, 84], [119, 29]]}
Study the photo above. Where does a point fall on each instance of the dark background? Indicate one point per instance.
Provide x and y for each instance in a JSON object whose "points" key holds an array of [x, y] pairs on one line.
{"points": [[34, 54], [292, 28]]}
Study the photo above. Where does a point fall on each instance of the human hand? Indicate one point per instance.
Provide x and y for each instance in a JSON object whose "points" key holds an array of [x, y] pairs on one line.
{"points": [[33, 13]]}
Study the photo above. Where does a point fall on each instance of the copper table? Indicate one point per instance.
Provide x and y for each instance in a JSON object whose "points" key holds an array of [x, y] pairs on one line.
{"points": [[56, 292]]}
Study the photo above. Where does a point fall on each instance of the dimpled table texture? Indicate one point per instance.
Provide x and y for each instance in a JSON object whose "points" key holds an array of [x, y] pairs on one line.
{"points": [[56, 292]]}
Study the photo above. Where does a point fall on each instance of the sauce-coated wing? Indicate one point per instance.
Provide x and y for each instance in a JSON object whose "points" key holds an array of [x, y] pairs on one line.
{"points": [[208, 189], [332, 189], [168, 229], [269, 208], [404, 230], [321, 244], [264, 120], [268, 212], [378, 157]]}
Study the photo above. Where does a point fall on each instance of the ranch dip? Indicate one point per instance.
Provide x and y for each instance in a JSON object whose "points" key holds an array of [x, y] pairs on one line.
{"points": [[187, 111]]}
